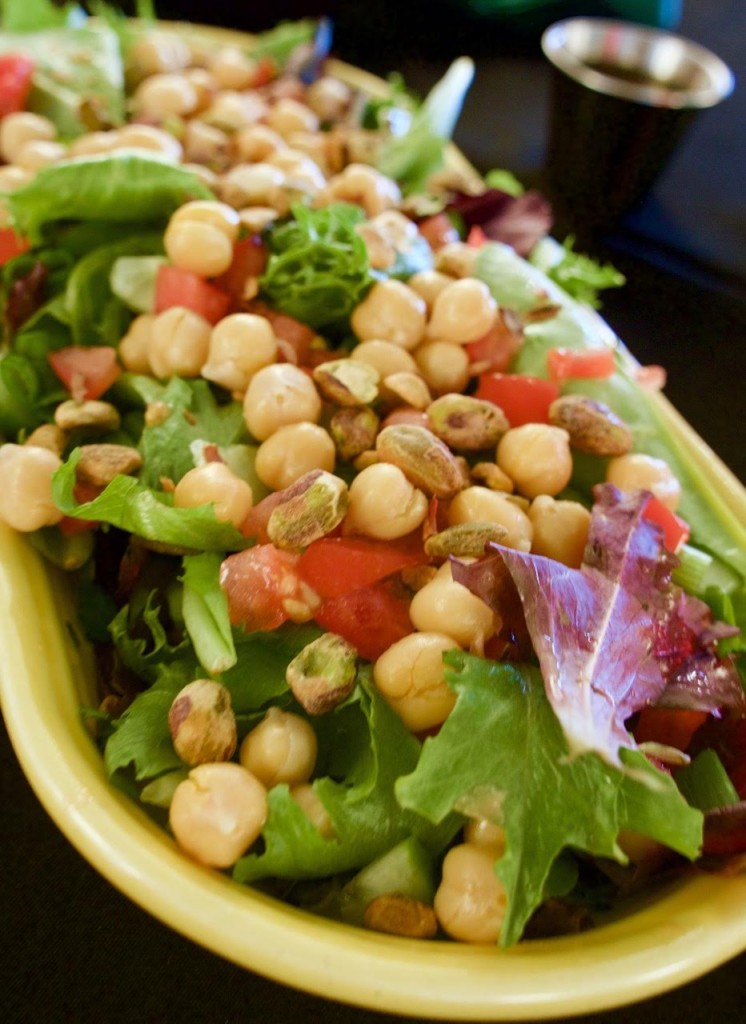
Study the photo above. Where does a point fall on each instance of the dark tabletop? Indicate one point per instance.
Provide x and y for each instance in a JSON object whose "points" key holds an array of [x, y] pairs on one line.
{"points": [[73, 949]]}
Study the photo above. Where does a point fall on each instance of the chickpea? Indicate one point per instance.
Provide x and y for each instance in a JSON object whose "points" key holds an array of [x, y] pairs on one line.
{"points": [[429, 284], [444, 366], [232, 68], [202, 723], [310, 803], [384, 504], [391, 311], [456, 259], [277, 395], [198, 246], [288, 116], [411, 677], [217, 813], [204, 84], [259, 184], [366, 187], [302, 176], [537, 458], [92, 144], [447, 607], [215, 484], [560, 529], [17, 129], [385, 357], [312, 145], [26, 495], [180, 343], [204, 174], [207, 211], [293, 451], [256, 219], [155, 52], [645, 472], [464, 311], [232, 110], [329, 98], [150, 138], [480, 504], [134, 348], [483, 832], [165, 95], [13, 177], [282, 748], [39, 153], [470, 901], [240, 345], [257, 142], [206, 144]]}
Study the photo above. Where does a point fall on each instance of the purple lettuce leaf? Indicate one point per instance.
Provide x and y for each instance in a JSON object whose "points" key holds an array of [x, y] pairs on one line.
{"points": [[519, 221]]}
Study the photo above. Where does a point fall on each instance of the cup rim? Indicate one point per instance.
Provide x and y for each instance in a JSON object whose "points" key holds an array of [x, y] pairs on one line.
{"points": [[721, 80]]}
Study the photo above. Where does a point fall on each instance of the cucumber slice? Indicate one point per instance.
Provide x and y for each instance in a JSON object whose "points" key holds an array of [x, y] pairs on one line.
{"points": [[407, 869]]}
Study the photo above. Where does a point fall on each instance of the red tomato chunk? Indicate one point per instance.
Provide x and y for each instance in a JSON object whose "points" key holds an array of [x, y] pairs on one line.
{"points": [[86, 372], [264, 589], [371, 618], [522, 399], [175, 287], [16, 73], [334, 566], [568, 364]]}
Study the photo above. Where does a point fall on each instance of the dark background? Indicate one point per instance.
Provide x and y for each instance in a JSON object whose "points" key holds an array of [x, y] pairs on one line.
{"points": [[73, 950]]}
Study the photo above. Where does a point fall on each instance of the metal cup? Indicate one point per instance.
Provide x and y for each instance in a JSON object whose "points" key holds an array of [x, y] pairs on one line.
{"points": [[622, 96]]}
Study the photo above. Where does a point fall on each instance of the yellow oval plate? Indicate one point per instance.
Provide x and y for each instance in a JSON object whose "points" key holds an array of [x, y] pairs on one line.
{"points": [[45, 676]]}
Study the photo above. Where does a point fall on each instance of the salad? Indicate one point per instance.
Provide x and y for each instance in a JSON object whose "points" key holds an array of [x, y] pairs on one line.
{"points": [[407, 607]]}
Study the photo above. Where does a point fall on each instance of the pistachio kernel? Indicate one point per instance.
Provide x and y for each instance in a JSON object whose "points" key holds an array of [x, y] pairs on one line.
{"points": [[468, 423], [593, 427], [353, 431], [202, 723], [49, 436], [91, 414], [423, 458], [396, 914], [309, 514], [100, 463], [347, 381], [323, 673], [465, 540], [405, 387], [490, 474]]}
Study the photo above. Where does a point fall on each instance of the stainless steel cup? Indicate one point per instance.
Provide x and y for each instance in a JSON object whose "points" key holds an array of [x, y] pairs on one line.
{"points": [[622, 96]]}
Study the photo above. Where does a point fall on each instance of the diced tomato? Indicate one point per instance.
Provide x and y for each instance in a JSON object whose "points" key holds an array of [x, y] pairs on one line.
{"points": [[175, 287], [263, 587], [494, 351], [335, 565], [11, 245], [476, 237], [249, 260], [86, 372], [522, 399], [675, 530], [569, 364], [371, 618], [16, 73], [83, 492], [674, 727], [266, 70], [438, 230], [299, 337]]}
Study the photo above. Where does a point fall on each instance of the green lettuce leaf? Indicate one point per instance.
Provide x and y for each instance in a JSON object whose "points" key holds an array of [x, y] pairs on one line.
{"points": [[524, 780], [258, 677], [318, 267], [280, 41], [412, 157], [194, 416], [141, 737], [131, 506], [125, 186], [205, 609], [88, 294], [370, 749]]}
